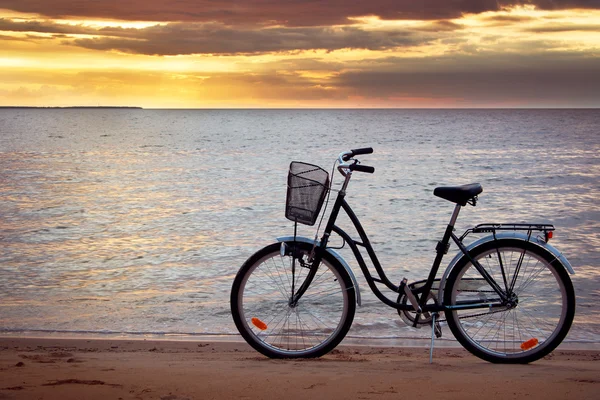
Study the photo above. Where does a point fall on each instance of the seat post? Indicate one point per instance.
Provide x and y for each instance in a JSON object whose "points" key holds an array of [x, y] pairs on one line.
{"points": [[455, 215], [441, 249]]}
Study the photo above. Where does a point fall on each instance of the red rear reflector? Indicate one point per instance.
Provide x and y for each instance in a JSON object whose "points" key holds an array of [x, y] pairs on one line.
{"points": [[550, 235], [528, 344], [259, 324]]}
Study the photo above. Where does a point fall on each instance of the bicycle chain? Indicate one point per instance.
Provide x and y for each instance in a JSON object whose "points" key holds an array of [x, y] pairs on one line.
{"points": [[474, 315], [480, 314]]}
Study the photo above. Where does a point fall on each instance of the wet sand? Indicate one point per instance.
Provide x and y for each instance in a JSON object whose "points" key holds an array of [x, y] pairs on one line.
{"points": [[177, 370]]}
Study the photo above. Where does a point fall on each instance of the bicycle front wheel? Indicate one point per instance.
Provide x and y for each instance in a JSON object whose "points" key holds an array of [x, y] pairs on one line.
{"points": [[261, 309], [535, 320]]}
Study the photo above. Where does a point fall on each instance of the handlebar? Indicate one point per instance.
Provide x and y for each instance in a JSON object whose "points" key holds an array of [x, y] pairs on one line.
{"points": [[357, 152], [346, 156]]}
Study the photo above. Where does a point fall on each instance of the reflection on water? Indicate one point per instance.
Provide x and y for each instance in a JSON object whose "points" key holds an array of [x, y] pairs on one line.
{"points": [[137, 220]]}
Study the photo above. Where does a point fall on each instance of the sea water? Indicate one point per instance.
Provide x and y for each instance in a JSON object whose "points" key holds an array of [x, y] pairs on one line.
{"points": [[135, 222]]}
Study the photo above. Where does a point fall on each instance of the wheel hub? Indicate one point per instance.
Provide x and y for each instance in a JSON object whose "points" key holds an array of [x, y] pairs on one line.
{"points": [[513, 301]]}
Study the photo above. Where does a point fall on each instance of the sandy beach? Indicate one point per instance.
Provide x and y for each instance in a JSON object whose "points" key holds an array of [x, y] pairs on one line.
{"points": [[176, 370]]}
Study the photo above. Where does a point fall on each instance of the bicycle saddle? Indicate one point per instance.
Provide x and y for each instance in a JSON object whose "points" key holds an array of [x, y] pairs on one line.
{"points": [[458, 194]]}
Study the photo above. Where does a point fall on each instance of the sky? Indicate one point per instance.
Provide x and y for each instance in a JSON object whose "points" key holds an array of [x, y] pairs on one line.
{"points": [[300, 53]]}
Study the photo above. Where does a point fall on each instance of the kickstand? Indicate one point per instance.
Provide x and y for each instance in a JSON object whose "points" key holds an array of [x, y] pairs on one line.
{"points": [[433, 335]]}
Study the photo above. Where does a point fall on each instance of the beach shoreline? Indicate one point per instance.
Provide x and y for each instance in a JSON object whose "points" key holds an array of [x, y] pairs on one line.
{"points": [[77, 368], [448, 341]]}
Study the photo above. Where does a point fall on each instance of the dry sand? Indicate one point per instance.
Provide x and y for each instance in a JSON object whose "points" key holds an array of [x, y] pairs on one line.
{"points": [[174, 370]]}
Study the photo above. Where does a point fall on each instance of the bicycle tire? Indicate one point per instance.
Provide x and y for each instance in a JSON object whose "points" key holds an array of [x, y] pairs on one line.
{"points": [[260, 304], [518, 334]]}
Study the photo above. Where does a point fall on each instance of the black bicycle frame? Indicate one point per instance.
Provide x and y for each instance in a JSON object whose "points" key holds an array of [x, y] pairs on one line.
{"points": [[441, 249]]}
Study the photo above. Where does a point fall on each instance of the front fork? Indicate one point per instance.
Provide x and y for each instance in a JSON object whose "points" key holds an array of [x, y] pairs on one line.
{"points": [[313, 262]]}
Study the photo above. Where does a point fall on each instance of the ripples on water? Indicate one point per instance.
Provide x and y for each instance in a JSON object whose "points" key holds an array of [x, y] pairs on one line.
{"points": [[137, 220]]}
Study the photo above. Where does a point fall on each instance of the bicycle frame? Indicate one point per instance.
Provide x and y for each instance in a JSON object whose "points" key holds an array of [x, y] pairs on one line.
{"points": [[441, 250]]}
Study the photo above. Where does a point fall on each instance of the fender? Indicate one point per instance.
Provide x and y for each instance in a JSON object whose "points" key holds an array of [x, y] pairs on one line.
{"points": [[505, 235], [334, 253]]}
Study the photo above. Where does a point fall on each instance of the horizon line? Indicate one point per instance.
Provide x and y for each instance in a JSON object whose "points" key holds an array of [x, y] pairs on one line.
{"points": [[309, 108]]}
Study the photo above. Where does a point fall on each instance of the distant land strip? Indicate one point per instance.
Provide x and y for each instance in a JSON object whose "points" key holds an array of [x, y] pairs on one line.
{"points": [[86, 107]]}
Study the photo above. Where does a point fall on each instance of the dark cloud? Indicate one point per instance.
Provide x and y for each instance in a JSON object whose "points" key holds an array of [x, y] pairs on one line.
{"points": [[502, 19], [269, 12], [182, 38], [564, 28], [41, 26], [559, 78], [179, 38], [11, 38], [438, 26], [215, 38], [64, 29], [559, 4]]}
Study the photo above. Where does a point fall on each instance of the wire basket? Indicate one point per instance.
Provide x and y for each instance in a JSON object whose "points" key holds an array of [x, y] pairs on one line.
{"points": [[307, 188]]}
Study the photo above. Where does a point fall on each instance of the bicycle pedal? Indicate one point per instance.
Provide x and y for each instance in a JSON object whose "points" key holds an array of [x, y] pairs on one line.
{"points": [[411, 297]]}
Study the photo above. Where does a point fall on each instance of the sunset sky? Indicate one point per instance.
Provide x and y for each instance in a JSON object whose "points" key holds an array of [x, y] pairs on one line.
{"points": [[300, 53]]}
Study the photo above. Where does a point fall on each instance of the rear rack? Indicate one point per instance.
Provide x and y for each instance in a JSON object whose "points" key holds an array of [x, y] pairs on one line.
{"points": [[529, 228], [481, 228]]}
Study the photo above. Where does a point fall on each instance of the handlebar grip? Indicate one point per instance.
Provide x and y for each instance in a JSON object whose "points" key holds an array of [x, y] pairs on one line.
{"points": [[362, 168], [356, 152], [365, 150]]}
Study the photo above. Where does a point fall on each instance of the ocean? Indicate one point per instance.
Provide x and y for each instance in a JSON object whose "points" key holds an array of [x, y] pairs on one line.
{"points": [[133, 223]]}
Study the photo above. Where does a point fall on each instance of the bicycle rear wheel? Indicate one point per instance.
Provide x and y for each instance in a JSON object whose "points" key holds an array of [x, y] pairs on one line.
{"points": [[537, 319], [261, 310]]}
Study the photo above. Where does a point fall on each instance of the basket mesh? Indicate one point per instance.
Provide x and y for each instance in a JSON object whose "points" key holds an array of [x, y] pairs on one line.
{"points": [[307, 187]]}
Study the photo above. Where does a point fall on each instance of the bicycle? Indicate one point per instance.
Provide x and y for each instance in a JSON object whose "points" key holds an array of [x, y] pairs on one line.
{"points": [[507, 297]]}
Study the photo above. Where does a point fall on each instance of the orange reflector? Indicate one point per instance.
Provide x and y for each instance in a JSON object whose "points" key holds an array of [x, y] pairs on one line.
{"points": [[528, 344], [262, 326]]}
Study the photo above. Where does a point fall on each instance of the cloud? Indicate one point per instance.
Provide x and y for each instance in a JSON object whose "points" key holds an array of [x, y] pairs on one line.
{"points": [[270, 12], [215, 38], [220, 38], [566, 78], [558, 4], [438, 26], [504, 19], [47, 26], [564, 27], [487, 79], [180, 38], [37, 26], [11, 38]]}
